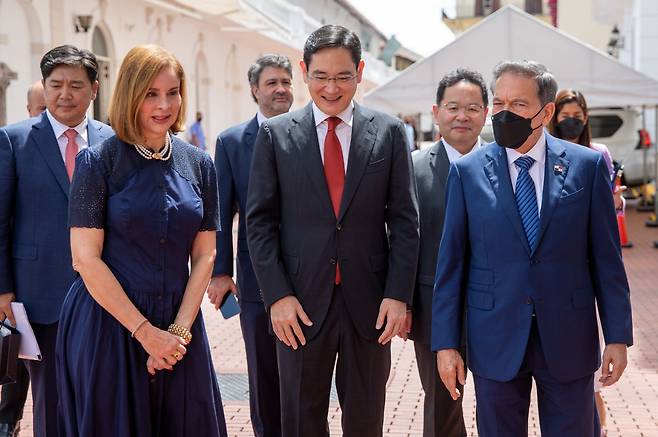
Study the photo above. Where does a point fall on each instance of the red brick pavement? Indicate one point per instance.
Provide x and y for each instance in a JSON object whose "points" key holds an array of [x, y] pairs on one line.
{"points": [[632, 404]]}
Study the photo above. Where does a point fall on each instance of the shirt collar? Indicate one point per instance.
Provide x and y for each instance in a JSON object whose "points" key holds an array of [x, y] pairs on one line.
{"points": [[260, 118], [538, 152], [346, 116], [454, 154], [60, 128]]}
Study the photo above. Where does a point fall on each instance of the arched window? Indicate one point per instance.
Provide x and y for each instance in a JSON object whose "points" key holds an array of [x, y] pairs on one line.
{"points": [[100, 48]]}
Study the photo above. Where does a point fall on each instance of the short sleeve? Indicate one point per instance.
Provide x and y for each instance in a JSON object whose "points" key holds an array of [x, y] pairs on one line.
{"points": [[209, 196], [87, 198]]}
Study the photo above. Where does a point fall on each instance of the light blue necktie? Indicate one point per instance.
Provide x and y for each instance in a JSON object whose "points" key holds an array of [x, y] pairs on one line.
{"points": [[526, 200]]}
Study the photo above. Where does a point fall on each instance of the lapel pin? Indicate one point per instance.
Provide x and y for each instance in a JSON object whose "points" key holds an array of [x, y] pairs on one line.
{"points": [[558, 169]]}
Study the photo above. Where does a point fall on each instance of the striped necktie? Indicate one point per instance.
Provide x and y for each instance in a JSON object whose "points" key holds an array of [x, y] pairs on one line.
{"points": [[526, 200]]}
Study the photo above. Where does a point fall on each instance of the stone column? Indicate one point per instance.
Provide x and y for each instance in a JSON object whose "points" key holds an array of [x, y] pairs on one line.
{"points": [[6, 76]]}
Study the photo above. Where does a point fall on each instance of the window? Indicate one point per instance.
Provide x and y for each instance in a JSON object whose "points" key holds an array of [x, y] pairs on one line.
{"points": [[604, 126], [533, 6]]}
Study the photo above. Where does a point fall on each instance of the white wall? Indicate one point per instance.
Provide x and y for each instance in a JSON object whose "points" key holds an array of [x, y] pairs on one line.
{"points": [[577, 18]]}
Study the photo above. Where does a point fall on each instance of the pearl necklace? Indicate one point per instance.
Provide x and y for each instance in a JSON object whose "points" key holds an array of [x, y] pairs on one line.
{"points": [[163, 155]]}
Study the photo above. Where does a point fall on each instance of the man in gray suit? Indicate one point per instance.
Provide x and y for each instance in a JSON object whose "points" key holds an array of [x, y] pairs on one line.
{"points": [[332, 228], [459, 112]]}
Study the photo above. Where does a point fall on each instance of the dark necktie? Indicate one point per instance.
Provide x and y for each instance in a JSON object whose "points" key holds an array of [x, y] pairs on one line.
{"points": [[334, 170], [526, 200]]}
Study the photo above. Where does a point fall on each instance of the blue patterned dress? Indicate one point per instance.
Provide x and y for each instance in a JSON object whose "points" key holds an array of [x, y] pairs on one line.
{"points": [[150, 211]]}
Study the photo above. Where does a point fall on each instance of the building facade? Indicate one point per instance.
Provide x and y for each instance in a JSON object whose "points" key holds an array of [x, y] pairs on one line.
{"points": [[471, 12], [215, 40]]}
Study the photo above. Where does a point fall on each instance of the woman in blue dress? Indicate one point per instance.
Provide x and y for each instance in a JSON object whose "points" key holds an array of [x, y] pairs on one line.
{"points": [[132, 353]]}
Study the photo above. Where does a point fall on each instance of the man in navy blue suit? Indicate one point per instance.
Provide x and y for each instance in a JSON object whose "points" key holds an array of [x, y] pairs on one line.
{"points": [[13, 396], [37, 159], [270, 79], [530, 246]]}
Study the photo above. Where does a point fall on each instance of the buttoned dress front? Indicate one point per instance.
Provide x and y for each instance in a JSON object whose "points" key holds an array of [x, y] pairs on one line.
{"points": [[151, 212]]}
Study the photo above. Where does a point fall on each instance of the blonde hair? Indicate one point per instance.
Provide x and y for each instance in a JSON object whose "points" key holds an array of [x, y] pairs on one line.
{"points": [[138, 70]]}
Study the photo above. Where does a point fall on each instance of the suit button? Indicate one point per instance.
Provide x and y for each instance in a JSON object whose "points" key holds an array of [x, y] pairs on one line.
{"points": [[528, 301], [332, 261], [534, 262], [339, 226], [162, 241]]}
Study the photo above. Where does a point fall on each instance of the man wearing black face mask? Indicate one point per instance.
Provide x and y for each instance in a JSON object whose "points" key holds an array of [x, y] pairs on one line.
{"points": [[530, 243]]}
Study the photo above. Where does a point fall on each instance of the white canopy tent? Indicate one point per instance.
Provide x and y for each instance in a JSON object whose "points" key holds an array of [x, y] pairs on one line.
{"points": [[513, 34]]}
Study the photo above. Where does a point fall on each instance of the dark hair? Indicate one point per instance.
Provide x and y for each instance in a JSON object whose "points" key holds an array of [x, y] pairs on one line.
{"points": [[458, 75], [271, 60], [571, 96], [69, 55], [546, 83], [332, 36]]}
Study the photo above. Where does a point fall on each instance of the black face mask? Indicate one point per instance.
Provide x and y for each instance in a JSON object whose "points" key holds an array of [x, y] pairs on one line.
{"points": [[570, 128], [511, 130]]}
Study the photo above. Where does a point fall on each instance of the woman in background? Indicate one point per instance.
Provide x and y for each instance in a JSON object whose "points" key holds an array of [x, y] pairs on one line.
{"points": [[571, 123], [132, 353]]}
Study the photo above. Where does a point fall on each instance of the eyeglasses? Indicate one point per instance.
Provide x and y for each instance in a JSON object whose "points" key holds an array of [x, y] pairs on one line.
{"points": [[342, 79], [471, 110]]}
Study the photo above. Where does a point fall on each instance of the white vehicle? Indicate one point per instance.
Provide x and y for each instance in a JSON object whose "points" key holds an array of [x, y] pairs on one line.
{"points": [[619, 129]]}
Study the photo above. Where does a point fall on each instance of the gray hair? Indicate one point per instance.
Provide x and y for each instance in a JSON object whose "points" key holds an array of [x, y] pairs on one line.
{"points": [[270, 60], [546, 83]]}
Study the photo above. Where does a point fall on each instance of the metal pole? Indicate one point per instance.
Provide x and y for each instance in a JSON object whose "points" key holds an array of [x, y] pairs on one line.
{"points": [[653, 221], [645, 204]]}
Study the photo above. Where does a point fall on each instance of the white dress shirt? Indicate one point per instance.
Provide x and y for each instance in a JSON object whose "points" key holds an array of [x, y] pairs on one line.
{"points": [[62, 141], [454, 154], [538, 153], [260, 118], [343, 130]]}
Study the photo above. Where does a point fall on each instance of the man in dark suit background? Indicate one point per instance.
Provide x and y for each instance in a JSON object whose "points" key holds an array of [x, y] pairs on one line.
{"points": [[270, 79], [459, 112], [37, 159], [332, 228], [13, 397], [530, 245]]}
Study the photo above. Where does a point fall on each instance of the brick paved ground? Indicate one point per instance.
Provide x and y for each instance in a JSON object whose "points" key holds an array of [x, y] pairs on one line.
{"points": [[632, 404]]}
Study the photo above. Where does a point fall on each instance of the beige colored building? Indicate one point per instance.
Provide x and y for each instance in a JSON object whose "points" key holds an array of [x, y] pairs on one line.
{"points": [[471, 12], [216, 41]]}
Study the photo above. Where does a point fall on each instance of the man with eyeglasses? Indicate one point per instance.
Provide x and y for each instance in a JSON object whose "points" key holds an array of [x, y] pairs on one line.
{"points": [[332, 227], [270, 81], [459, 113]]}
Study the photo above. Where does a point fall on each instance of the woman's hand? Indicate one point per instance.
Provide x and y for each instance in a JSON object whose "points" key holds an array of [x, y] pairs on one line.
{"points": [[164, 349]]}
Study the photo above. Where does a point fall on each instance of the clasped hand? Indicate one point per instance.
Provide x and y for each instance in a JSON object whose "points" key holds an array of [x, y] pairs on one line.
{"points": [[164, 349]]}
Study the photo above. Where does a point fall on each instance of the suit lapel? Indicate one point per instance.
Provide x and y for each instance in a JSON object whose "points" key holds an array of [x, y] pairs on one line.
{"points": [[44, 139], [361, 144], [440, 165], [497, 171], [555, 173], [94, 135], [305, 137], [249, 136]]}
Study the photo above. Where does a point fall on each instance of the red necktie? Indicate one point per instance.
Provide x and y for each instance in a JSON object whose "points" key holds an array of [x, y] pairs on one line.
{"points": [[334, 170], [71, 151]]}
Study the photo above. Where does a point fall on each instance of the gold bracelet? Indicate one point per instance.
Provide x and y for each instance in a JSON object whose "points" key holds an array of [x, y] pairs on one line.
{"points": [[180, 331], [134, 331]]}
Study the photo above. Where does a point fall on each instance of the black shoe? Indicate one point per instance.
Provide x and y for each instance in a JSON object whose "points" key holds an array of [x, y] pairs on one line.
{"points": [[10, 429]]}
